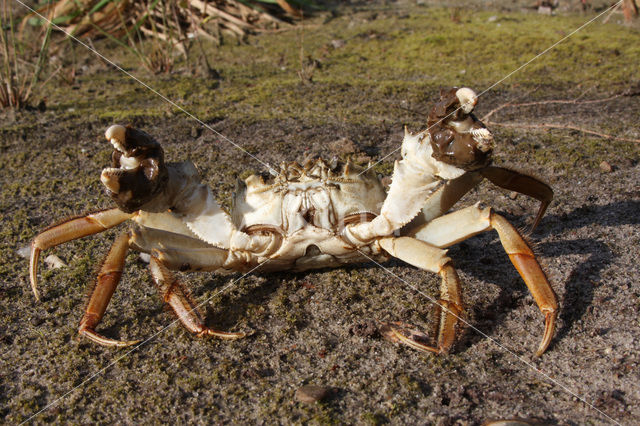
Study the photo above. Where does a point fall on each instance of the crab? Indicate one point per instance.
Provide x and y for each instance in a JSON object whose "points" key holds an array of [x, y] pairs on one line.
{"points": [[309, 216]]}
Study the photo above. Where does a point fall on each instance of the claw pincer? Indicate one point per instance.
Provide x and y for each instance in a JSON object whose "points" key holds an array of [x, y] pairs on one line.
{"points": [[138, 172]]}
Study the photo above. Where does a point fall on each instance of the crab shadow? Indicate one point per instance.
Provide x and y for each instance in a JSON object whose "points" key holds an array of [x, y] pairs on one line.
{"points": [[291, 288], [234, 306], [491, 266], [578, 291]]}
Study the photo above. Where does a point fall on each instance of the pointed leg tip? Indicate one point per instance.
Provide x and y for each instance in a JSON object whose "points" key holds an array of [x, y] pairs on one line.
{"points": [[127, 343], [549, 329], [34, 287], [542, 348], [33, 270], [106, 341], [225, 335], [403, 333], [533, 226], [235, 336]]}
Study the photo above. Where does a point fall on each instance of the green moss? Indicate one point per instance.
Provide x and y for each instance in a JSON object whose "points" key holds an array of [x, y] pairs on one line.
{"points": [[373, 419], [245, 174], [401, 57]]}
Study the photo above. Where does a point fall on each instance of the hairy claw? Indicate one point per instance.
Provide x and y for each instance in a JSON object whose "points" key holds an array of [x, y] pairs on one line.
{"points": [[138, 172], [458, 138]]}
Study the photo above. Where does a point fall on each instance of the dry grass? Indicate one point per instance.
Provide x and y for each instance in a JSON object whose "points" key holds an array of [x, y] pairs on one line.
{"points": [[170, 25], [170, 20], [23, 60]]}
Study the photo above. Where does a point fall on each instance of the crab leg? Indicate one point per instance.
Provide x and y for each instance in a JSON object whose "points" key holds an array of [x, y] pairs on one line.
{"points": [[460, 225], [108, 279], [524, 184], [200, 259], [449, 194], [449, 306], [176, 296], [70, 230], [178, 252], [446, 197]]}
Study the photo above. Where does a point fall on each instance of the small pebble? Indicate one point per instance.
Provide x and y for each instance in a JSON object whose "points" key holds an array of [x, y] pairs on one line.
{"points": [[54, 262], [312, 393], [24, 252], [513, 195], [337, 44], [145, 257], [606, 167]]}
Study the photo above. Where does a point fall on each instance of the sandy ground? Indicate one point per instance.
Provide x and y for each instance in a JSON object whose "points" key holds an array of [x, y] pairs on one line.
{"points": [[320, 327]]}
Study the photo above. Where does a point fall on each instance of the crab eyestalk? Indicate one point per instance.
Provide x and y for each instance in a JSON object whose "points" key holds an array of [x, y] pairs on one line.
{"points": [[138, 172], [458, 138]]}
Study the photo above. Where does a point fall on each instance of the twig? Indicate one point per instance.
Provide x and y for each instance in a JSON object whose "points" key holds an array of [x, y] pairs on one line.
{"points": [[561, 126], [552, 101], [506, 104]]}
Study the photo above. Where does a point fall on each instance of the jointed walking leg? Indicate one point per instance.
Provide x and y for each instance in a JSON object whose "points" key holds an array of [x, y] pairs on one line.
{"points": [[449, 306], [107, 281], [70, 230], [175, 295], [462, 224]]}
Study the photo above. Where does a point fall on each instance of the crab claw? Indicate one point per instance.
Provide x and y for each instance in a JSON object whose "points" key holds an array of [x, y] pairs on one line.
{"points": [[458, 138], [137, 173]]}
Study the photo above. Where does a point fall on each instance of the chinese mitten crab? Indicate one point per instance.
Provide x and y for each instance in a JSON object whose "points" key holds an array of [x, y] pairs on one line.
{"points": [[308, 216]]}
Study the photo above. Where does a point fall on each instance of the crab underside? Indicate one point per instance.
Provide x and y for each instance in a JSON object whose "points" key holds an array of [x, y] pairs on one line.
{"points": [[314, 215]]}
